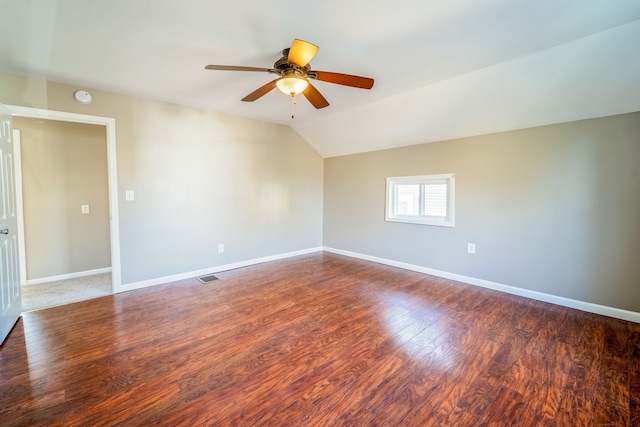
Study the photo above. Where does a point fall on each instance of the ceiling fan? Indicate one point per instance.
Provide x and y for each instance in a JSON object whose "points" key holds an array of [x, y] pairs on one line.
{"points": [[295, 71]]}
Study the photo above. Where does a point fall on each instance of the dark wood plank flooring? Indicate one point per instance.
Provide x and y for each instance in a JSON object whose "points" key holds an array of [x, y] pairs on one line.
{"points": [[319, 340]]}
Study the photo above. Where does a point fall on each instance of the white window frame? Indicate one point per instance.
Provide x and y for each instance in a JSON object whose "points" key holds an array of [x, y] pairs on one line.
{"points": [[391, 204]]}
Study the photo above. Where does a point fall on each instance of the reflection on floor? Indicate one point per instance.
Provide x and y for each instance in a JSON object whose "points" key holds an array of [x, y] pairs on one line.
{"points": [[44, 295]]}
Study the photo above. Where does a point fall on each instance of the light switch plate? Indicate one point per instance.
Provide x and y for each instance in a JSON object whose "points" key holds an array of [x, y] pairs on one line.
{"points": [[129, 196]]}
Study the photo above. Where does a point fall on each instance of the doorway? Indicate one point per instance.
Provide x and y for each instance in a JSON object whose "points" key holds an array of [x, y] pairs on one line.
{"points": [[62, 169], [109, 125]]}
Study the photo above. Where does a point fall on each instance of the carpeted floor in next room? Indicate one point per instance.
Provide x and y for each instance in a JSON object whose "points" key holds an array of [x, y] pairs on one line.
{"points": [[52, 294]]}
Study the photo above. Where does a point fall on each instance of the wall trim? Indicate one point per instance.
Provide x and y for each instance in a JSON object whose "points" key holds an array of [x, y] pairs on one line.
{"points": [[68, 276], [617, 313], [212, 270]]}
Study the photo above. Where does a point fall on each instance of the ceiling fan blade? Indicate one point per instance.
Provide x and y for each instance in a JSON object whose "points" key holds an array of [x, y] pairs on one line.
{"points": [[301, 52], [342, 79], [315, 97], [261, 91], [235, 68]]}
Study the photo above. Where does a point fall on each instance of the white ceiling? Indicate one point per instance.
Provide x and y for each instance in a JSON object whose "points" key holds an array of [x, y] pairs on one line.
{"points": [[442, 69]]}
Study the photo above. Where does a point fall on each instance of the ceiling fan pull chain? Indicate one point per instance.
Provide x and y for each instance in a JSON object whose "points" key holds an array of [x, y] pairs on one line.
{"points": [[293, 104]]}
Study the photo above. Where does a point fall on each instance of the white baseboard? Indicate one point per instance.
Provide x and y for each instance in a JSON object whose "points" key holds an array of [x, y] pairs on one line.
{"points": [[618, 313], [68, 276], [213, 270]]}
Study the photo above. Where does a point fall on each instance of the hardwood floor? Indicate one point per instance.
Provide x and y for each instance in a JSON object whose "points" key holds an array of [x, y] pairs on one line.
{"points": [[319, 340]]}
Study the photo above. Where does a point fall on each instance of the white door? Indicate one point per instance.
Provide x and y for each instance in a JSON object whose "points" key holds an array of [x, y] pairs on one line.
{"points": [[10, 301]]}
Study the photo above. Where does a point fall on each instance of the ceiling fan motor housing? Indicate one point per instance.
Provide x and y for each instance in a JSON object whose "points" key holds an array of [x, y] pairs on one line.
{"points": [[283, 66]]}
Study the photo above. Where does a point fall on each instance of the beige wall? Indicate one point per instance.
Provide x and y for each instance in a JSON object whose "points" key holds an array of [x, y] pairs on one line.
{"points": [[553, 209], [64, 166], [200, 179]]}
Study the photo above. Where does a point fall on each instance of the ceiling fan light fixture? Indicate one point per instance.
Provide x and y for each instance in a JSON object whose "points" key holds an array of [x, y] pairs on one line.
{"points": [[292, 85], [294, 70]]}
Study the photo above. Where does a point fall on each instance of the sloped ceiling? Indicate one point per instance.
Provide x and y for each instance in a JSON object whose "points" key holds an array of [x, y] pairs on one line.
{"points": [[442, 69]]}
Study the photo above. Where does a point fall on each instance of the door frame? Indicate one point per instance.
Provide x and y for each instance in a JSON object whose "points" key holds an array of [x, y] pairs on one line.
{"points": [[112, 172]]}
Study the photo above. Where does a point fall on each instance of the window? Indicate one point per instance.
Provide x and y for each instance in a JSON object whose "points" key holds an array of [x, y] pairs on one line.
{"points": [[426, 199]]}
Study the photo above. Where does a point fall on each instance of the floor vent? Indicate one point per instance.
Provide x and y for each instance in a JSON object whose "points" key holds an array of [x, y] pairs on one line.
{"points": [[207, 279]]}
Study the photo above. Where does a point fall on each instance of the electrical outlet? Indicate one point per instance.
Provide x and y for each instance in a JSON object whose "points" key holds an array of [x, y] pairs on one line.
{"points": [[84, 209], [471, 248], [221, 248]]}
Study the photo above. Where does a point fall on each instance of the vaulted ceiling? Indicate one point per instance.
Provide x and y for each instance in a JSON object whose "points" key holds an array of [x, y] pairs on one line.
{"points": [[442, 69]]}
